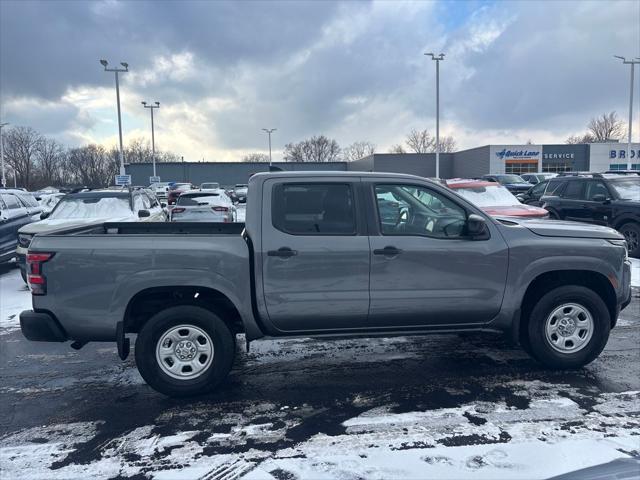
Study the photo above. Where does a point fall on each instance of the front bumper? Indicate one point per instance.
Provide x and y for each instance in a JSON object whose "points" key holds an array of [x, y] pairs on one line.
{"points": [[41, 327]]}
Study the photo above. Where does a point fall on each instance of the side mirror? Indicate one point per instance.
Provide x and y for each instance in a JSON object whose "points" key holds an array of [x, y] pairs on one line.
{"points": [[477, 227], [599, 197], [143, 213], [521, 197], [163, 205], [44, 215]]}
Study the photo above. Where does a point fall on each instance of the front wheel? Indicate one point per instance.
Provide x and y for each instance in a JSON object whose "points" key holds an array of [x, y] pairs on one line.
{"points": [[568, 327], [184, 351], [631, 232]]}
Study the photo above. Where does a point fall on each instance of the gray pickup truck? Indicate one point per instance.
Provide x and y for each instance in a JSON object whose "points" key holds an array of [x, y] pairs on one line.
{"points": [[330, 254]]}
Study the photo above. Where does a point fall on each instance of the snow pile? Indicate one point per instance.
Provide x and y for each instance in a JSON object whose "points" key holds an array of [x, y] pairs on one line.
{"points": [[14, 298]]}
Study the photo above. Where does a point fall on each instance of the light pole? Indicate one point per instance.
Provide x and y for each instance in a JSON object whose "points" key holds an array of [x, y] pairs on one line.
{"points": [[4, 178], [116, 70], [632, 63], [153, 138], [269, 132], [437, 59]]}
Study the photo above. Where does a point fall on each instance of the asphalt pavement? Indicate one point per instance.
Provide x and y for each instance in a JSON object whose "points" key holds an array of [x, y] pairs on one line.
{"points": [[442, 406]]}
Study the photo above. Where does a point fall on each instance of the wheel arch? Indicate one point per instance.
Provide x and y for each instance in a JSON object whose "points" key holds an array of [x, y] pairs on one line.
{"points": [[549, 280]]}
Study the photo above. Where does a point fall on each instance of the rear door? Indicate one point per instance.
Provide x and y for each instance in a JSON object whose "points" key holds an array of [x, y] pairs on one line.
{"points": [[424, 270], [315, 255]]}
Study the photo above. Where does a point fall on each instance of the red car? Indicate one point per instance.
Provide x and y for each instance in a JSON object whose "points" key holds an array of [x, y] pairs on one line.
{"points": [[494, 199], [175, 190]]}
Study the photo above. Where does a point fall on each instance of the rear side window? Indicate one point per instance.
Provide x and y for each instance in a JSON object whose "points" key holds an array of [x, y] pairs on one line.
{"points": [[11, 201], [314, 209], [574, 190], [28, 200]]}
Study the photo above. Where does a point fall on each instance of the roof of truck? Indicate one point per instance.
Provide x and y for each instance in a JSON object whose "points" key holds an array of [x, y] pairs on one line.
{"points": [[338, 173]]}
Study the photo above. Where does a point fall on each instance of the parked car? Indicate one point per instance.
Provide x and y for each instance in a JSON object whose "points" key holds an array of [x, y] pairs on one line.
{"points": [[13, 216], [240, 193], [494, 199], [91, 207], [535, 178], [160, 189], [611, 200], [209, 186], [30, 203], [514, 183], [207, 206], [49, 201], [175, 190], [314, 259], [535, 193]]}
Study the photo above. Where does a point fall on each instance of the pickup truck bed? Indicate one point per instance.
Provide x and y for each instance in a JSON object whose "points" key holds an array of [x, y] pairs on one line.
{"points": [[326, 254]]}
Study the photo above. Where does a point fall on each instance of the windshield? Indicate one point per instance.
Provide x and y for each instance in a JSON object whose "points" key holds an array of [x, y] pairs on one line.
{"points": [[627, 188], [488, 196], [91, 207], [504, 179]]}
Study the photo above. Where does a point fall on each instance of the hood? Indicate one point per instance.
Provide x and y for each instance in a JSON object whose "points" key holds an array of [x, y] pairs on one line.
{"points": [[561, 228], [50, 225], [515, 211]]}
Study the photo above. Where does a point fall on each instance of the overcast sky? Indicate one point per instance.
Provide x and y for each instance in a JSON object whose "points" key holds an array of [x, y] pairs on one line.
{"points": [[353, 71]]}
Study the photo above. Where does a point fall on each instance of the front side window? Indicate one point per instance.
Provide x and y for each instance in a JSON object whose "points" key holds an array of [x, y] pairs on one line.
{"points": [[11, 201], [314, 209], [539, 189], [596, 188], [415, 210]]}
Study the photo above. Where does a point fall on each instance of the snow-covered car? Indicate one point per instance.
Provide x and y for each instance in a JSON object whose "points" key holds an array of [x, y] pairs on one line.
{"points": [[13, 216], [494, 199], [89, 207], [209, 206], [49, 201], [239, 193]]}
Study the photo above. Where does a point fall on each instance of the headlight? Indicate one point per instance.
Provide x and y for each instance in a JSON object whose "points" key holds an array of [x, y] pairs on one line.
{"points": [[24, 240], [621, 243]]}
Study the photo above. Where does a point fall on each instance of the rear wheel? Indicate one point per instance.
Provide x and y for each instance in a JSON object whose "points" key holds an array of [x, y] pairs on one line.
{"points": [[568, 327], [184, 351], [631, 232]]}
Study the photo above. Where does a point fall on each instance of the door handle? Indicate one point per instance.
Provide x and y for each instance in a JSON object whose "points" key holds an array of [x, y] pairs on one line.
{"points": [[283, 252], [387, 251]]}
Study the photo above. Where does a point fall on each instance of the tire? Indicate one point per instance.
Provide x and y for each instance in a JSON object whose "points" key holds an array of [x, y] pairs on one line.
{"points": [[631, 232], [584, 307], [553, 215], [202, 368]]}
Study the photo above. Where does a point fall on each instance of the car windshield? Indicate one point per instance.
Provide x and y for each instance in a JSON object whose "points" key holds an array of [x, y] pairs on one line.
{"points": [[488, 196], [627, 188], [91, 207], [505, 179]]}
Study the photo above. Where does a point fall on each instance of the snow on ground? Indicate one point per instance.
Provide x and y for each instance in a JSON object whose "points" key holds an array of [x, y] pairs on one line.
{"points": [[635, 272], [552, 435], [14, 298]]}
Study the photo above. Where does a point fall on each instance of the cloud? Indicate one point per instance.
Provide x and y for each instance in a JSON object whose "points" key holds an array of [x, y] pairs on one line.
{"points": [[352, 70]]}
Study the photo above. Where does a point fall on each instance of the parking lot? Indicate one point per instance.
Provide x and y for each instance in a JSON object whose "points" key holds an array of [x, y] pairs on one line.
{"points": [[443, 406]]}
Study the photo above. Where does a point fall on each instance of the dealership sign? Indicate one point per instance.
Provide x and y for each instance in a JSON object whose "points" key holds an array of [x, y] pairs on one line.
{"points": [[621, 153], [518, 153]]}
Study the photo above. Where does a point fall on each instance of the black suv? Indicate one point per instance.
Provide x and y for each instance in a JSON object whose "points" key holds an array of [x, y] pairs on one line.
{"points": [[610, 200]]}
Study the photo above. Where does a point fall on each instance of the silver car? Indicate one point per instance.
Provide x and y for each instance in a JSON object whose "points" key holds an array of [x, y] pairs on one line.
{"points": [[209, 206]]}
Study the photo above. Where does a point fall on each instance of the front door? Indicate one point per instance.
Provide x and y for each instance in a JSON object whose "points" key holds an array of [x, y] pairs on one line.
{"points": [[597, 203], [425, 271], [315, 255]]}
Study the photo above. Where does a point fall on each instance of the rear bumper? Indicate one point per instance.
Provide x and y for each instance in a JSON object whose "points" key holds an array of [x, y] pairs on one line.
{"points": [[41, 327]]}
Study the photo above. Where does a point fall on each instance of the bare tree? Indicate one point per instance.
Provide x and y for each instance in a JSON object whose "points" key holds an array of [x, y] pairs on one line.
{"points": [[256, 157], [447, 144], [358, 150], [397, 148], [606, 127], [314, 149], [50, 158], [601, 129], [92, 165], [20, 149], [420, 141]]}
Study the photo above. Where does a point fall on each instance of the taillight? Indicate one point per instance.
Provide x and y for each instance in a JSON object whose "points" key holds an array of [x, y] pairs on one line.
{"points": [[37, 281], [220, 209], [177, 210]]}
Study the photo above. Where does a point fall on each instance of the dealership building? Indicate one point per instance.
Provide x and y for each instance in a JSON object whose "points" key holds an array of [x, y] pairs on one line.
{"points": [[474, 162]]}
